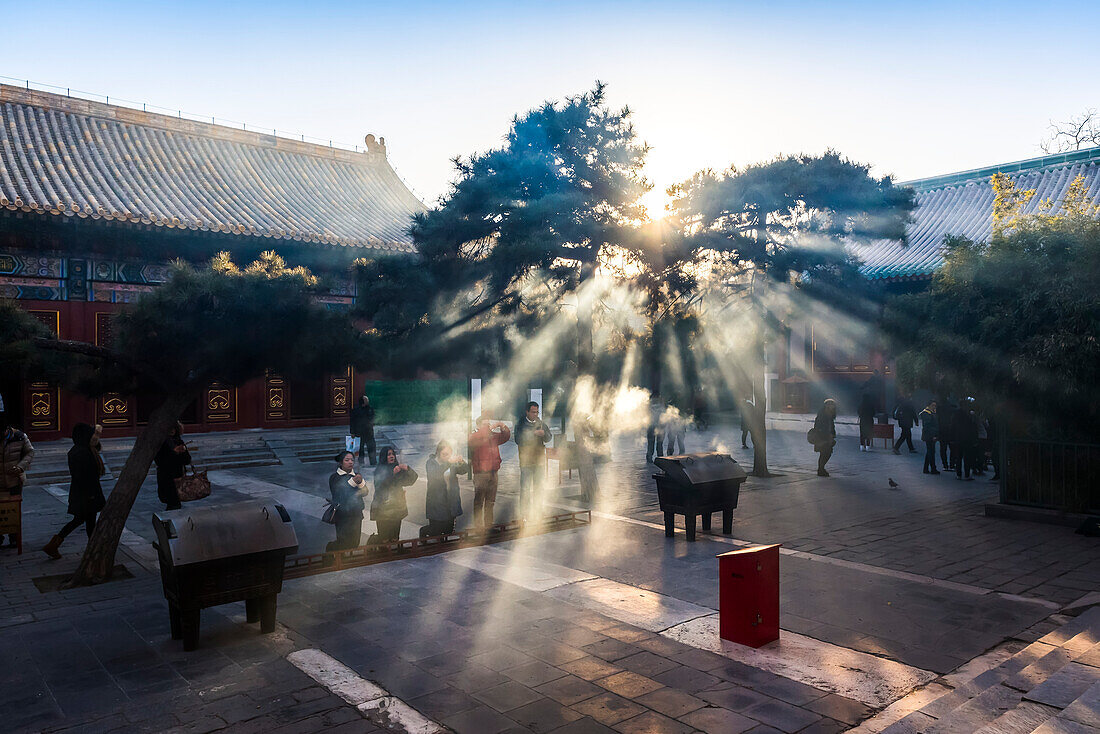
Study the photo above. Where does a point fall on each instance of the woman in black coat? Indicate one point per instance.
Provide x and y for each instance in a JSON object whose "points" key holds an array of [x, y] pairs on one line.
{"points": [[866, 413], [443, 502], [346, 488], [824, 431], [171, 459], [389, 508], [85, 493]]}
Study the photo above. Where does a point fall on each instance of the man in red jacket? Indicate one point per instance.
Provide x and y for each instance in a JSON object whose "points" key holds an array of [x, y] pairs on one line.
{"points": [[485, 444]]}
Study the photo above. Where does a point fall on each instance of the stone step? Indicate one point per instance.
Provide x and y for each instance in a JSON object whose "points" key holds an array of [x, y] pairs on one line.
{"points": [[1029, 691], [1025, 718], [968, 717], [1085, 709]]}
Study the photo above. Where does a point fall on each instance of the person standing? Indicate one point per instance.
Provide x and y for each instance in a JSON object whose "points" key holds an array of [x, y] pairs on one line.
{"points": [[676, 430], [654, 434], [443, 501], [172, 458], [85, 493], [485, 443], [946, 414], [929, 433], [905, 414], [362, 426], [346, 489], [964, 429], [824, 431], [532, 435], [16, 453], [97, 449], [389, 506], [866, 414], [748, 415]]}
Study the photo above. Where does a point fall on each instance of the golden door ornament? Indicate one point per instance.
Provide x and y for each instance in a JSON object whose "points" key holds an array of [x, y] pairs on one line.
{"points": [[218, 400], [275, 397], [41, 403], [114, 405]]}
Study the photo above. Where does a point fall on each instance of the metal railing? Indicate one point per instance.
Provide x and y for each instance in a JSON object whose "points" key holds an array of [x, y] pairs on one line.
{"points": [[1054, 475]]}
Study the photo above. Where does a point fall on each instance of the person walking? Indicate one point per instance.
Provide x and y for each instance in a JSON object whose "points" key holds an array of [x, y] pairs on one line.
{"points": [[866, 414], [16, 453], [172, 458], [748, 416], [824, 434], [929, 433], [964, 429], [485, 443], [443, 501], [346, 489], [389, 506], [532, 435], [85, 493], [362, 427], [905, 414]]}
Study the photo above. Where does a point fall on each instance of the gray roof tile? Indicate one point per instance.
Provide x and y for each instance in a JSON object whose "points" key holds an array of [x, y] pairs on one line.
{"points": [[72, 157], [962, 204]]}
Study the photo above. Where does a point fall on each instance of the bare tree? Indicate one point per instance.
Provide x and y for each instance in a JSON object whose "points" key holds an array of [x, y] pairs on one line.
{"points": [[1079, 131]]}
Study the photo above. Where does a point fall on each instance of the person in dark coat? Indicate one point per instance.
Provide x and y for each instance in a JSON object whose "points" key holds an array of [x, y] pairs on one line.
{"points": [[964, 429], [655, 433], [443, 502], [866, 413], [946, 410], [531, 435], [824, 432], [905, 414], [362, 425], [346, 489], [389, 507], [748, 415], [929, 433], [85, 493], [171, 459]]}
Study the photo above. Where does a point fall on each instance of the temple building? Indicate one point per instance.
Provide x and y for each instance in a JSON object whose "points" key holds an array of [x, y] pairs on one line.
{"points": [[816, 360], [96, 200]]}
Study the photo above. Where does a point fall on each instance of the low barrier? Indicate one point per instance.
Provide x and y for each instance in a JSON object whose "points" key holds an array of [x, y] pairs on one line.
{"points": [[367, 555]]}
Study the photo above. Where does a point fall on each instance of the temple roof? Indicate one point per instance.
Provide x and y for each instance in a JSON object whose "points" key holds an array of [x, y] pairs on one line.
{"points": [[962, 204], [76, 158]]}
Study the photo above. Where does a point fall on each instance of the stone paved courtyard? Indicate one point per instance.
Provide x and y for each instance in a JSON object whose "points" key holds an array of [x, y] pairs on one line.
{"points": [[522, 636]]}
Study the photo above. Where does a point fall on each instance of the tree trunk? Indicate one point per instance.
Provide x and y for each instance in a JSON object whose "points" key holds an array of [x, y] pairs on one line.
{"points": [[586, 467], [758, 429], [99, 557]]}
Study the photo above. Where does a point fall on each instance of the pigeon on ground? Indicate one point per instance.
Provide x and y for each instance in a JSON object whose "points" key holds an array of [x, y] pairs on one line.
{"points": [[893, 484]]}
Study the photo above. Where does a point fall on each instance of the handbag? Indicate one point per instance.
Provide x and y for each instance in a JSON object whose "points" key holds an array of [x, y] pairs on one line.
{"points": [[193, 486], [352, 443], [329, 515]]}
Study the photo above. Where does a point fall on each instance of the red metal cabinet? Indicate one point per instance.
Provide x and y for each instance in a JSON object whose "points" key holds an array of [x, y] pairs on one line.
{"points": [[748, 592]]}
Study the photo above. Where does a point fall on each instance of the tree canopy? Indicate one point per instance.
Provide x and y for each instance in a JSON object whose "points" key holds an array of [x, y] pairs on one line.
{"points": [[1014, 321], [521, 227], [770, 243], [218, 323]]}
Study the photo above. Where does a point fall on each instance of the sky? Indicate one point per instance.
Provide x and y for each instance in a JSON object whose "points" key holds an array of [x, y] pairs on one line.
{"points": [[914, 89]]}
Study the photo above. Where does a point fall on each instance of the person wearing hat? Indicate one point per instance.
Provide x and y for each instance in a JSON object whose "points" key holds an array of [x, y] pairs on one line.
{"points": [[485, 443]]}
